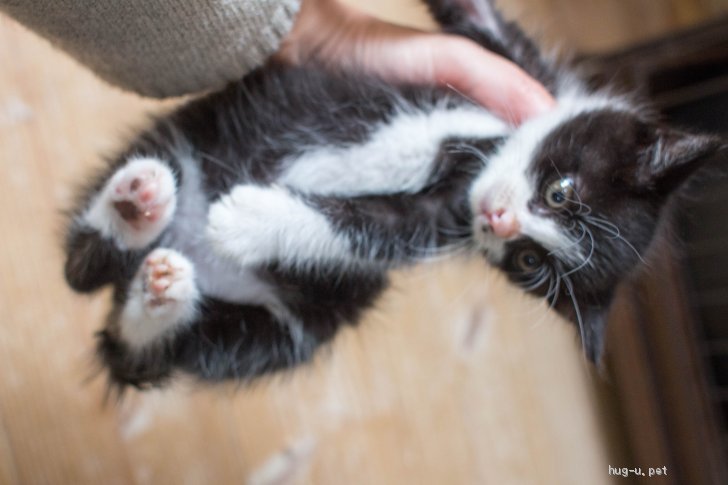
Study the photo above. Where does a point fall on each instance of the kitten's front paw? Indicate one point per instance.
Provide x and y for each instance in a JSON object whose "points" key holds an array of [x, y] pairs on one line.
{"points": [[243, 225], [136, 204], [168, 282], [162, 297]]}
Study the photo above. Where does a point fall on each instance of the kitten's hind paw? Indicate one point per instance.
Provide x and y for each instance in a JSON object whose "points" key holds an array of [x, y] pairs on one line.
{"points": [[162, 297], [136, 204], [258, 225], [245, 224]]}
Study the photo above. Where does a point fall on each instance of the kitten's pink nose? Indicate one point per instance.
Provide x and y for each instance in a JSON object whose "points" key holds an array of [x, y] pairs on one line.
{"points": [[503, 223]]}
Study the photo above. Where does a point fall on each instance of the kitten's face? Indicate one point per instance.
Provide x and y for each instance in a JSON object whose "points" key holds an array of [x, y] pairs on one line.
{"points": [[569, 204]]}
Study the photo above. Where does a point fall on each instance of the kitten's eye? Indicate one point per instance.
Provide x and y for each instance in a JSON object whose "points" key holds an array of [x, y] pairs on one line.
{"points": [[559, 192], [527, 260]]}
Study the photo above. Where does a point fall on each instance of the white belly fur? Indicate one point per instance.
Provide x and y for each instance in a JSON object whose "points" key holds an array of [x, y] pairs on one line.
{"points": [[397, 157]]}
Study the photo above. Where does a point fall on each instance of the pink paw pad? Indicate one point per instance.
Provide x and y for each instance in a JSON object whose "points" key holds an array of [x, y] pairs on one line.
{"points": [[143, 192], [162, 297], [167, 278]]}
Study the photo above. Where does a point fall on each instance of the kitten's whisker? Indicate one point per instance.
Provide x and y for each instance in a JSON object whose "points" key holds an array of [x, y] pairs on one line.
{"points": [[557, 289], [537, 284], [455, 232], [533, 283], [588, 258], [606, 223], [581, 205], [569, 246], [460, 93], [551, 160], [586, 212], [217, 162], [432, 258], [437, 249], [553, 288], [526, 283], [435, 253], [550, 296], [570, 289], [470, 150], [576, 201], [609, 227], [537, 280]]}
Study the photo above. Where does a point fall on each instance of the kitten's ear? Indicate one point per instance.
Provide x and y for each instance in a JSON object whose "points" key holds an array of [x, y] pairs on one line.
{"points": [[673, 157]]}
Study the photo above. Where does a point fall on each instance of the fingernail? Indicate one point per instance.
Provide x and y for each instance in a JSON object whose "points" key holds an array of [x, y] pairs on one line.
{"points": [[535, 103], [543, 102]]}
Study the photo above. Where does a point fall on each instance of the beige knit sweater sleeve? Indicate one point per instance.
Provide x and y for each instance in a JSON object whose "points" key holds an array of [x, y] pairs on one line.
{"points": [[161, 47]]}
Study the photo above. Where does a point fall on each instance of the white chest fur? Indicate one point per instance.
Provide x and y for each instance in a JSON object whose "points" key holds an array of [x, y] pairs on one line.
{"points": [[397, 157], [215, 276]]}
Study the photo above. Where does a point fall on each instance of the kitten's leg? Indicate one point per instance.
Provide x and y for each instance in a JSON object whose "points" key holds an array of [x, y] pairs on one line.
{"points": [[93, 261], [229, 340], [399, 156], [244, 342], [162, 298], [137, 346], [130, 210], [258, 225], [135, 205]]}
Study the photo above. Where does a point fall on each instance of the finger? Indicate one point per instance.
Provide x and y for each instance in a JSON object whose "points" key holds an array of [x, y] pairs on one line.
{"points": [[488, 79]]}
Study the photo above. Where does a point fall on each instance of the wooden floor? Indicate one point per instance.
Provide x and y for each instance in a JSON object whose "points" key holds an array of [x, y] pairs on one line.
{"points": [[454, 378]]}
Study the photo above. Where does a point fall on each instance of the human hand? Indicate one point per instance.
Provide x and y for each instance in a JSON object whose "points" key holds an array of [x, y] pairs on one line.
{"points": [[341, 36]]}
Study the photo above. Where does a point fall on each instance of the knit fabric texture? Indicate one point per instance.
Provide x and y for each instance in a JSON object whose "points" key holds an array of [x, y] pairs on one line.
{"points": [[161, 47]]}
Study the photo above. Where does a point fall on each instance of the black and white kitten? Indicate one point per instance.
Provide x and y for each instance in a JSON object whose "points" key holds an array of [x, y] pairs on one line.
{"points": [[243, 230]]}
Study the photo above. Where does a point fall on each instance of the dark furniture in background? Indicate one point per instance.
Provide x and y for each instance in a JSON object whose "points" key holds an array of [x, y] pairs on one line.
{"points": [[668, 342]]}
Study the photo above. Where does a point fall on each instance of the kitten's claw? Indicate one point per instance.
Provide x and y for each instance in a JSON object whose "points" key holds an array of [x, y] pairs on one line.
{"points": [[136, 204], [162, 297], [168, 280]]}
